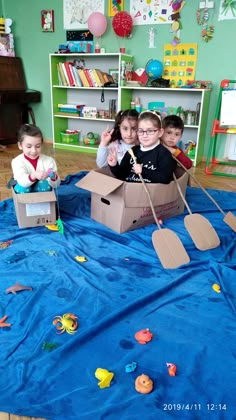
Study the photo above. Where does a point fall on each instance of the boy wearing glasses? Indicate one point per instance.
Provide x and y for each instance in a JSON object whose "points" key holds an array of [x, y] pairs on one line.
{"points": [[154, 161]]}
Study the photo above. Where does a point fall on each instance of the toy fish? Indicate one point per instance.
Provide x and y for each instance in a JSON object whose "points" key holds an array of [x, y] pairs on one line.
{"points": [[171, 369], [143, 336], [52, 227], [4, 245], [131, 367], [17, 288], [80, 258], [2, 323], [16, 257], [216, 288], [49, 346]]}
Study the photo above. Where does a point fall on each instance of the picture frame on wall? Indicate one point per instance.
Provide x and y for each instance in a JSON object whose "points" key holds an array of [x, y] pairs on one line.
{"points": [[115, 6], [114, 73], [47, 20]]}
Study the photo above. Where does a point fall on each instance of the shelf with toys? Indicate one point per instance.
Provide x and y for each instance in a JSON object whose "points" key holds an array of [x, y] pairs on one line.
{"points": [[86, 105], [189, 103]]}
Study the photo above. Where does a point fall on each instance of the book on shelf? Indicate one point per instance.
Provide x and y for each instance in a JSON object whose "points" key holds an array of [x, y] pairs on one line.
{"points": [[87, 75], [99, 81], [76, 77], [83, 78], [67, 67], [61, 73]]}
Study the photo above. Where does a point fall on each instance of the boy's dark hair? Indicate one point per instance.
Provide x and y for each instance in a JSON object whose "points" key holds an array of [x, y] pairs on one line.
{"points": [[130, 114], [173, 121], [29, 130]]}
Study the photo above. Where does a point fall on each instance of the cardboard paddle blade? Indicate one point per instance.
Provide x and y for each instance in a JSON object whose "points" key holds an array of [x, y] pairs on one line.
{"points": [[230, 220], [201, 231], [169, 248]]}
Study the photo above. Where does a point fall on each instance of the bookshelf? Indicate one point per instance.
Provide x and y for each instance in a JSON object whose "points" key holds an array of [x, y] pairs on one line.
{"points": [[99, 97], [185, 98]]}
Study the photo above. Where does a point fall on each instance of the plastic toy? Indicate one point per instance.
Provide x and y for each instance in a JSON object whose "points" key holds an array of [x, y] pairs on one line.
{"points": [[2, 323], [67, 323], [4, 245], [49, 346], [131, 367], [51, 173], [143, 336], [216, 288], [80, 258], [171, 369], [17, 288], [91, 139], [104, 376], [143, 384], [16, 257]]}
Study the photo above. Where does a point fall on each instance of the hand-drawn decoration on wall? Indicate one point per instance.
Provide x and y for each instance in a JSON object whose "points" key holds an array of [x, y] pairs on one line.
{"points": [[202, 18], [47, 20], [150, 12], [151, 41], [227, 9], [115, 6], [176, 25], [77, 12]]}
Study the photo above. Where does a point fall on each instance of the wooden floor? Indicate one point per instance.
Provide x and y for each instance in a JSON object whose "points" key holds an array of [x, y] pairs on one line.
{"points": [[72, 162]]}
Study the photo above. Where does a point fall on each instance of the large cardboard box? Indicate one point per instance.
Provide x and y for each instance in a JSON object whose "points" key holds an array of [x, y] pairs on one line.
{"points": [[124, 206], [35, 209]]}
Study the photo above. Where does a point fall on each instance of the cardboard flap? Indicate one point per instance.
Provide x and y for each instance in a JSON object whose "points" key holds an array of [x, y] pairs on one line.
{"points": [[99, 183], [37, 197]]}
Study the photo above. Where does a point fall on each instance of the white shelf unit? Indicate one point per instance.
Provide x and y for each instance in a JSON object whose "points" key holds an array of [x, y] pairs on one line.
{"points": [[186, 98], [89, 96]]}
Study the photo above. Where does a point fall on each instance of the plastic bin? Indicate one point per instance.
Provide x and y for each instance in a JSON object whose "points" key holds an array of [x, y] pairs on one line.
{"points": [[70, 138]]}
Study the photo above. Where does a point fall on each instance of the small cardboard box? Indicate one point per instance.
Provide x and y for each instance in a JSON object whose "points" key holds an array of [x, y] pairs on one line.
{"points": [[124, 206], [35, 209]]}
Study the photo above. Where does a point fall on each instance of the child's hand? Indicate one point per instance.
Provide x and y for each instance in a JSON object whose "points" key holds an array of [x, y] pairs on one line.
{"points": [[40, 175], [112, 158], [106, 137], [52, 174], [137, 168]]}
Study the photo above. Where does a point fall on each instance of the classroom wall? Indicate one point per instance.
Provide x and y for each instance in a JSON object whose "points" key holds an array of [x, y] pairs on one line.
{"points": [[216, 59]]}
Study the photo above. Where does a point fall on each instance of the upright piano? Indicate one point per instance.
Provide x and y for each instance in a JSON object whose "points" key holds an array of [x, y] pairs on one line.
{"points": [[15, 99]]}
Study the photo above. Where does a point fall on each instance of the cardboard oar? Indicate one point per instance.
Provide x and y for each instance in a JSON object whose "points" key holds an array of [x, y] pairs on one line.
{"points": [[229, 217], [166, 243], [199, 228]]}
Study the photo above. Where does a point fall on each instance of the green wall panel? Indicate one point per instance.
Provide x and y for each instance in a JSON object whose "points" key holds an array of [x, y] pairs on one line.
{"points": [[216, 60]]}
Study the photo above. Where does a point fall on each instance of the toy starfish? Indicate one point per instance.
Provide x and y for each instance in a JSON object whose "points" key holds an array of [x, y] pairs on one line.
{"points": [[2, 323]]}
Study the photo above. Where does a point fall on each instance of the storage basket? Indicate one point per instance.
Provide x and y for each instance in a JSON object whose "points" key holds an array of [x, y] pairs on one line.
{"points": [[70, 138]]}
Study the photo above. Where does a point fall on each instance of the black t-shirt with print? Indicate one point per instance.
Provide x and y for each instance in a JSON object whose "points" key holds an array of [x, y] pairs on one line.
{"points": [[158, 165]]}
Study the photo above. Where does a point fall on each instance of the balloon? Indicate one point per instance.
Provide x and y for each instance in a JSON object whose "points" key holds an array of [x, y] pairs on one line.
{"points": [[122, 24], [97, 24]]}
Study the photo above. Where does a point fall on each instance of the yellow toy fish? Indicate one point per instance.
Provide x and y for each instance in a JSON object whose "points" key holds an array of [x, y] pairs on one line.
{"points": [[216, 288], [80, 258]]}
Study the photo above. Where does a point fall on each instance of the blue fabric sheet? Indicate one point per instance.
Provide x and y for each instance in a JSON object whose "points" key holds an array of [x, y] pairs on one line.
{"points": [[120, 289]]}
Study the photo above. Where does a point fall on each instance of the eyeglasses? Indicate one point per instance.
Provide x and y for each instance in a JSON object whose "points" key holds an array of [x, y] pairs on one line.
{"points": [[148, 132]]}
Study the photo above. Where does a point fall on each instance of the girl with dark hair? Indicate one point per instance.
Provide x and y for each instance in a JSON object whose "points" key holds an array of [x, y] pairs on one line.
{"points": [[120, 138]]}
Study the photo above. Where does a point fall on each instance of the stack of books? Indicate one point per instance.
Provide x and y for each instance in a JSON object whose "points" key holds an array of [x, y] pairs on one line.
{"points": [[70, 75], [70, 109]]}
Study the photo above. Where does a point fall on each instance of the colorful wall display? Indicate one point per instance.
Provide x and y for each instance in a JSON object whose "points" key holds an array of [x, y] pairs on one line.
{"points": [[148, 12], [115, 6], [227, 10], [179, 63]]}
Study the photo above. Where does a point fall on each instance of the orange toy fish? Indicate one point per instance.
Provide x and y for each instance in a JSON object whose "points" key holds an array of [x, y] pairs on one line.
{"points": [[143, 336], [171, 369]]}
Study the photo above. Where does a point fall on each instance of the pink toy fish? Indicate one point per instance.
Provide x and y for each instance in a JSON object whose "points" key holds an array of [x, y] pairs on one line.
{"points": [[17, 288]]}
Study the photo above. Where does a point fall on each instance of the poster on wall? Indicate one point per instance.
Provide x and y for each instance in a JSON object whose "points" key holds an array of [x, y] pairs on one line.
{"points": [[77, 12], [179, 63], [150, 12], [227, 10]]}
